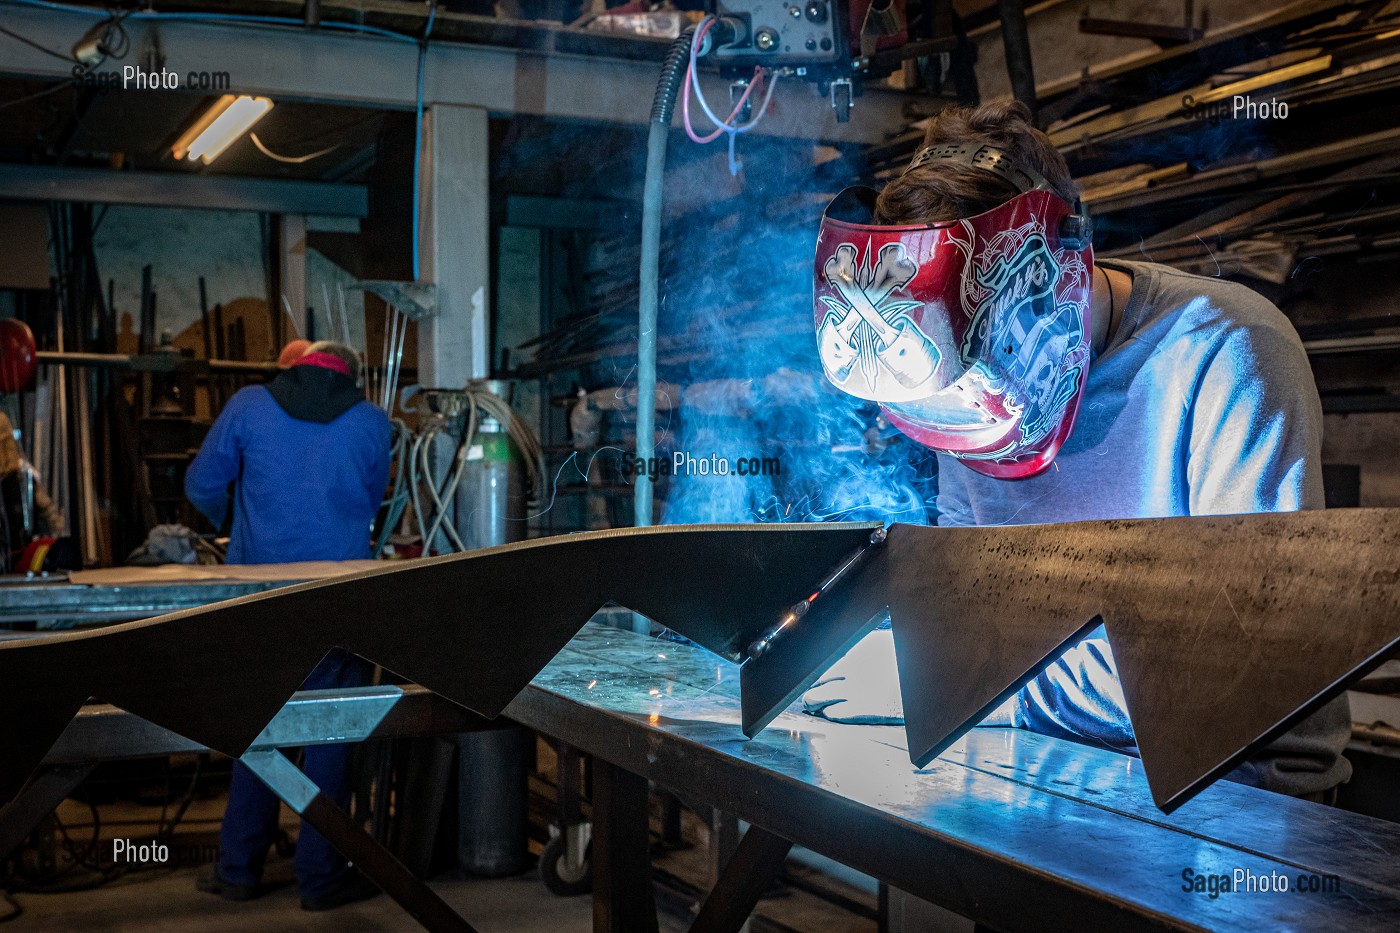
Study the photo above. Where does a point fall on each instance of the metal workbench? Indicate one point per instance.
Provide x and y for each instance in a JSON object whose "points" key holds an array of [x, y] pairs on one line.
{"points": [[1015, 830]]}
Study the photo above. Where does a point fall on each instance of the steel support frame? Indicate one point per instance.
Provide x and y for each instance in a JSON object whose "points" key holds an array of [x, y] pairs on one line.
{"points": [[746, 875], [44, 792], [332, 66], [624, 900], [1144, 579], [373, 860], [178, 189], [104, 733]]}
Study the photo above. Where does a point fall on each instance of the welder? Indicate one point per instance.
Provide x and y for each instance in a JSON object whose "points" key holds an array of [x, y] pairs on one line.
{"points": [[965, 301], [302, 464]]}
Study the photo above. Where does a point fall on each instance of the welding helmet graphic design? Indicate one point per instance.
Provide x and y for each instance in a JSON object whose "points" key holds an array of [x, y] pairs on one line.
{"points": [[973, 335]]}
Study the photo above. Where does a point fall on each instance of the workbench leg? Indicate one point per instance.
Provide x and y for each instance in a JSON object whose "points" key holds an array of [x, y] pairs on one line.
{"points": [[373, 860], [672, 836], [41, 796], [746, 876], [570, 792], [624, 900], [425, 772]]}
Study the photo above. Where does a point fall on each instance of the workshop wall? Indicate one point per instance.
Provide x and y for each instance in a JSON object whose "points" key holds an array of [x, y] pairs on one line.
{"points": [[180, 246], [225, 247]]}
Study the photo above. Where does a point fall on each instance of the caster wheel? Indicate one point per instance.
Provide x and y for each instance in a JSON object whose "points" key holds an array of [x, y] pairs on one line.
{"points": [[562, 875]]}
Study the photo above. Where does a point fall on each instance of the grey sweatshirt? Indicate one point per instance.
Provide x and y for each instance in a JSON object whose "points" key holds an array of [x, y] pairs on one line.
{"points": [[1203, 403]]}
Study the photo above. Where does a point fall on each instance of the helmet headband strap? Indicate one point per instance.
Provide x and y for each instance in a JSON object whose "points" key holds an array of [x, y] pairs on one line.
{"points": [[987, 158]]}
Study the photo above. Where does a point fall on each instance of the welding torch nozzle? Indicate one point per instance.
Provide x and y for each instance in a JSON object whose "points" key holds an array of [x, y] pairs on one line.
{"points": [[760, 646]]}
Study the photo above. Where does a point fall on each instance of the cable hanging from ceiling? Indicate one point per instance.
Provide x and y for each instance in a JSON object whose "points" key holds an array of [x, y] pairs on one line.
{"points": [[290, 160]]}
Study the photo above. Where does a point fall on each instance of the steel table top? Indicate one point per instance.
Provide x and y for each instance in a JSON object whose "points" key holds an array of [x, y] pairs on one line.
{"points": [[1010, 828], [59, 604]]}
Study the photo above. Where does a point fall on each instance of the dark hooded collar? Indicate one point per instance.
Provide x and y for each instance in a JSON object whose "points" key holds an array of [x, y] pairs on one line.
{"points": [[313, 393]]}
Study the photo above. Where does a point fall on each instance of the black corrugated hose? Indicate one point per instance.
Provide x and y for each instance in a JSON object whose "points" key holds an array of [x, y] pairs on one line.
{"points": [[662, 107]]}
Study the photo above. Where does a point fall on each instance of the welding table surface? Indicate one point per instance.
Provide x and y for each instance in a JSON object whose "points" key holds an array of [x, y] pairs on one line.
{"points": [[1017, 830], [60, 604]]}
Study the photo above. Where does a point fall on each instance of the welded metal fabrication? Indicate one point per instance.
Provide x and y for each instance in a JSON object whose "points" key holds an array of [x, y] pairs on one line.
{"points": [[1227, 630]]}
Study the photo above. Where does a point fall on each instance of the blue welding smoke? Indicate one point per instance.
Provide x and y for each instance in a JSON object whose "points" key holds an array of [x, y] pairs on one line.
{"points": [[738, 286]]}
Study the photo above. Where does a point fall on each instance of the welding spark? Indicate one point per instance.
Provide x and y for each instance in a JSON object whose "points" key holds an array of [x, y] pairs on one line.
{"points": [[583, 471], [654, 692], [592, 684]]}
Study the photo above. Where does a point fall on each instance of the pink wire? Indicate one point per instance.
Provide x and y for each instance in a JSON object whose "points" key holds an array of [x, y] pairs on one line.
{"points": [[690, 79], [738, 108]]}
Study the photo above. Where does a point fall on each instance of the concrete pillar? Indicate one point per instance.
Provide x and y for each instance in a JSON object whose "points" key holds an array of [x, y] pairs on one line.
{"points": [[455, 246], [291, 255]]}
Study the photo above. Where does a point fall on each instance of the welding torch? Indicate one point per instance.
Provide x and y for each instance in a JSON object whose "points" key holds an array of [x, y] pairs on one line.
{"points": [[797, 610]]}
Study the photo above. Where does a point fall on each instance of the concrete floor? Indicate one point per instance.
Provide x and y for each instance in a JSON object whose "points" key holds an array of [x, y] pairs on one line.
{"points": [[161, 898], [165, 899], [168, 901]]}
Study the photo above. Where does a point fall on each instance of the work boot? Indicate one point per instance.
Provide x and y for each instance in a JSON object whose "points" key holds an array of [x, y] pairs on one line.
{"points": [[211, 882], [356, 887]]}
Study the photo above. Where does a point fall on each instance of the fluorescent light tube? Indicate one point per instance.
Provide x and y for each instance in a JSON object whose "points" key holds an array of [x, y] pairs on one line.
{"points": [[228, 119]]}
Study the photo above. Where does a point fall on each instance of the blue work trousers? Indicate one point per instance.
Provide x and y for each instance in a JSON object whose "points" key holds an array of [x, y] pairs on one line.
{"points": [[250, 820]]}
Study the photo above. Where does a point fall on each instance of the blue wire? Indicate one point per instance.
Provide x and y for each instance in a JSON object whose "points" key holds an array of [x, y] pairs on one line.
{"points": [[418, 132], [62, 7], [275, 21]]}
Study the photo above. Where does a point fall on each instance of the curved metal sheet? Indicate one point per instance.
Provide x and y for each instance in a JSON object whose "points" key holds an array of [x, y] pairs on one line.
{"points": [[1227, 631], [473, 628]]}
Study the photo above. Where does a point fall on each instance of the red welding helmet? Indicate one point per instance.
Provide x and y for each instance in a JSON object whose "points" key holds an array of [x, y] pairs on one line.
{"points": [[18, 358], [973, 335]]}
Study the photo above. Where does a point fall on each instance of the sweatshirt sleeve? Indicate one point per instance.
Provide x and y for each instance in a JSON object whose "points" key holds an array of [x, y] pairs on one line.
{"points": [[1256, 426], [217, 465]]}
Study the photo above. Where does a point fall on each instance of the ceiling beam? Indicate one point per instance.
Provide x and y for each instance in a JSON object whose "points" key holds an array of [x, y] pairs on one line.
{"points": [[177, 189], [338, 67]]}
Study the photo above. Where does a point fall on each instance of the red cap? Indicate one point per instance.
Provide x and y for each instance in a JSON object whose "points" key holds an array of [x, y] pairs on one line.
{"points": [[292, 352]]}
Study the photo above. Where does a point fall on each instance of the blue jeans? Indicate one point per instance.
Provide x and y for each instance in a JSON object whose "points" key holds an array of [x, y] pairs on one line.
{"points": [[250, 820]]}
